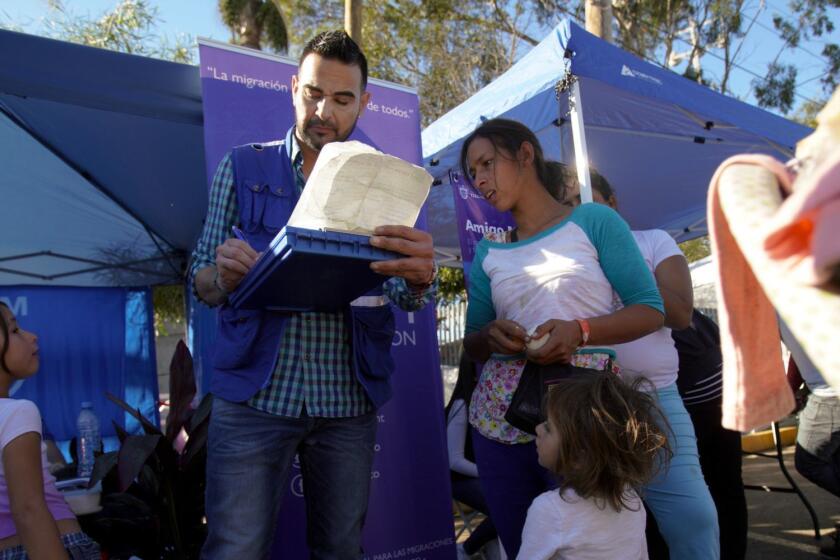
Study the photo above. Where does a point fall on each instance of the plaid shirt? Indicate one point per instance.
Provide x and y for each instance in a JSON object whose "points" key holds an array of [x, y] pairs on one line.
{"points": [[314, 371]]}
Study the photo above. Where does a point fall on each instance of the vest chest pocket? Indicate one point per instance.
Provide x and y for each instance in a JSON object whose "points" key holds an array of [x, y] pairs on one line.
{"points": [[265, 206], [238, 331], [278, 209], [253, 200]]}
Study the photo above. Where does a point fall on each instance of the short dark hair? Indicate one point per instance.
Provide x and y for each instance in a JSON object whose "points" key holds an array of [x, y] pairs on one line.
{"points": [[611, 436], [507, 135], [337, 45]]}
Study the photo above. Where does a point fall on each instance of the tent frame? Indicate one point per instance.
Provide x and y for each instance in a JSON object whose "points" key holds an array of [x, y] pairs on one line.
{"points": [[130, 266], [578, 135]]}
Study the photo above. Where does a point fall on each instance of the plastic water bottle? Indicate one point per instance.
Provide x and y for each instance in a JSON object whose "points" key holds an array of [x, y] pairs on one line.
{"points": [[88, 439]]}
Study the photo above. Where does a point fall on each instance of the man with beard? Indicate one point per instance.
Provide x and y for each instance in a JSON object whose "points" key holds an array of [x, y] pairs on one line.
{"points": [[297, 383]]}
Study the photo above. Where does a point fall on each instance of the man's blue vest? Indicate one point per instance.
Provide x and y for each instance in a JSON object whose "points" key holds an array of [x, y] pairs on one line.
{"points": [[248, 341]]}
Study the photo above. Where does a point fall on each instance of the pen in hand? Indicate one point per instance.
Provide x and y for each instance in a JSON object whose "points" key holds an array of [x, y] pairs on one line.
{"points": [[241, 236], [238, 233]]}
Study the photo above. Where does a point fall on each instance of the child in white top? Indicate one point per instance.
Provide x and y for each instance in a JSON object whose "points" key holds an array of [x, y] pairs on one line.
{"points": [[603, 441], [35, 521]]}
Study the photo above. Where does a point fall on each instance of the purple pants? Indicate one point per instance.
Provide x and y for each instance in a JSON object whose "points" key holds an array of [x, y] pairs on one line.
{"points": [[511, 477]]}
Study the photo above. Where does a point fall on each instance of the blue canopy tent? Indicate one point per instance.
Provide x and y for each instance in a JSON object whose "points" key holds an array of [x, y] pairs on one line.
{"points": [[104, 193], [655, 135]]}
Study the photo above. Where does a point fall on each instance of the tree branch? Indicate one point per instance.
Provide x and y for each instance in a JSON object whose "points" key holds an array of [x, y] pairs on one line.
{"points": [[502, 17]]}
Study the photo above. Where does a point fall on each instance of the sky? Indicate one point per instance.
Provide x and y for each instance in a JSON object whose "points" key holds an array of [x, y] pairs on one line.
{"points": [[200, 18]]}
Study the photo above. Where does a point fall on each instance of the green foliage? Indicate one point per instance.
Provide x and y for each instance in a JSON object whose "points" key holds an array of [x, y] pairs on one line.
{"points": [[169, 307], [131, 27], [807, 112], [696, 249], [831, 52], [685, 32], [778, 88], [256, 23], [804, 20], [447, 49], [451, 284]]}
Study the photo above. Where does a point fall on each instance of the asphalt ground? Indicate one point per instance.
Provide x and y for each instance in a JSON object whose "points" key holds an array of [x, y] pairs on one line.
{"points": [[779, 524]]}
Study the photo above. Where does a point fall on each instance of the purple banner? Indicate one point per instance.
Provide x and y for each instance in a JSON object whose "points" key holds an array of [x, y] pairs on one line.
{"points": [[247, 98], [475, 218]]}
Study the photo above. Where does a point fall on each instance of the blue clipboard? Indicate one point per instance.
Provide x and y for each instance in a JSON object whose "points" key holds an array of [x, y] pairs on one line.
{"points": [[311, 270]]}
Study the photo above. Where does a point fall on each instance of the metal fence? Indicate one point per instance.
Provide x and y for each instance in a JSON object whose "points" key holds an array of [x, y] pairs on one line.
{"points": [[451, 320]]}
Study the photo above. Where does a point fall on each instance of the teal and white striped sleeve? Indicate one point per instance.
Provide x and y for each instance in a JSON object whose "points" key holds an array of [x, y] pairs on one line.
{"points": [[619, 255], [480, 309]]}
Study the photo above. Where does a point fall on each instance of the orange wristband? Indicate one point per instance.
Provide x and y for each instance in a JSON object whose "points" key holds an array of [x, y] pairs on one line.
{"points": [[584, 331]]}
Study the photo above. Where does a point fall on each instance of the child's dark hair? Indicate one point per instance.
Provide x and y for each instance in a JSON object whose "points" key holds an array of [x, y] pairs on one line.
{"points": [[508, 136], [337, 45], [4, 329], [610, 437], [564, 178]]}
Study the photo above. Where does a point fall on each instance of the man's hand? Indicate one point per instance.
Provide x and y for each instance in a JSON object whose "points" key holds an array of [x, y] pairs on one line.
{"points": [[564, 338], [234, 258], [418, 265]]}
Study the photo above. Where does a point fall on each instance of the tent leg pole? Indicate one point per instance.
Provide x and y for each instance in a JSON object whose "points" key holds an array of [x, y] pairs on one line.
{"points": [[579, 139]]}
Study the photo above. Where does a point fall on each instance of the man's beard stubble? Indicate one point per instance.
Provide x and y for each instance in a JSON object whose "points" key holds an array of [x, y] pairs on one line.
{"points": [[315, 143]]}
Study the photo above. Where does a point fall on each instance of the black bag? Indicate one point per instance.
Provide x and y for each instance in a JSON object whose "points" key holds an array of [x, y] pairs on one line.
{"points": [[526, 406], [701, 360]]}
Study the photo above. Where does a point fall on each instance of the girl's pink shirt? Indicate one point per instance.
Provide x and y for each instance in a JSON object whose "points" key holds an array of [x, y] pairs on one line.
{"points": [[18, 417]]}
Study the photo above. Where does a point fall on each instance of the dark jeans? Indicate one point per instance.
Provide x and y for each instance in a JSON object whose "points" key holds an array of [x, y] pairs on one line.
{"points": [[249, 456], [468, 491], [817, 455], [720, 460]]}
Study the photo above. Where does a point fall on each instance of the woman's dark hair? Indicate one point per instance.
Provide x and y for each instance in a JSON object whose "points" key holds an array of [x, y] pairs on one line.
{"points": [[507, 136], [600, 184], [563, 179], [337, 45], [4, 328], [610, 436]]}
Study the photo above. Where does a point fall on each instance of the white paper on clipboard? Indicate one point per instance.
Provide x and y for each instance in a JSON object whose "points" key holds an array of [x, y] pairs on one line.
{"points": [[355, 188]]}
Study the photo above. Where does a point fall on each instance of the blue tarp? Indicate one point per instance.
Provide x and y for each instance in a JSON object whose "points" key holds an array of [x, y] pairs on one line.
{"points": [[91, 340], [104, 193], [103, 165], [655, 135]]}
